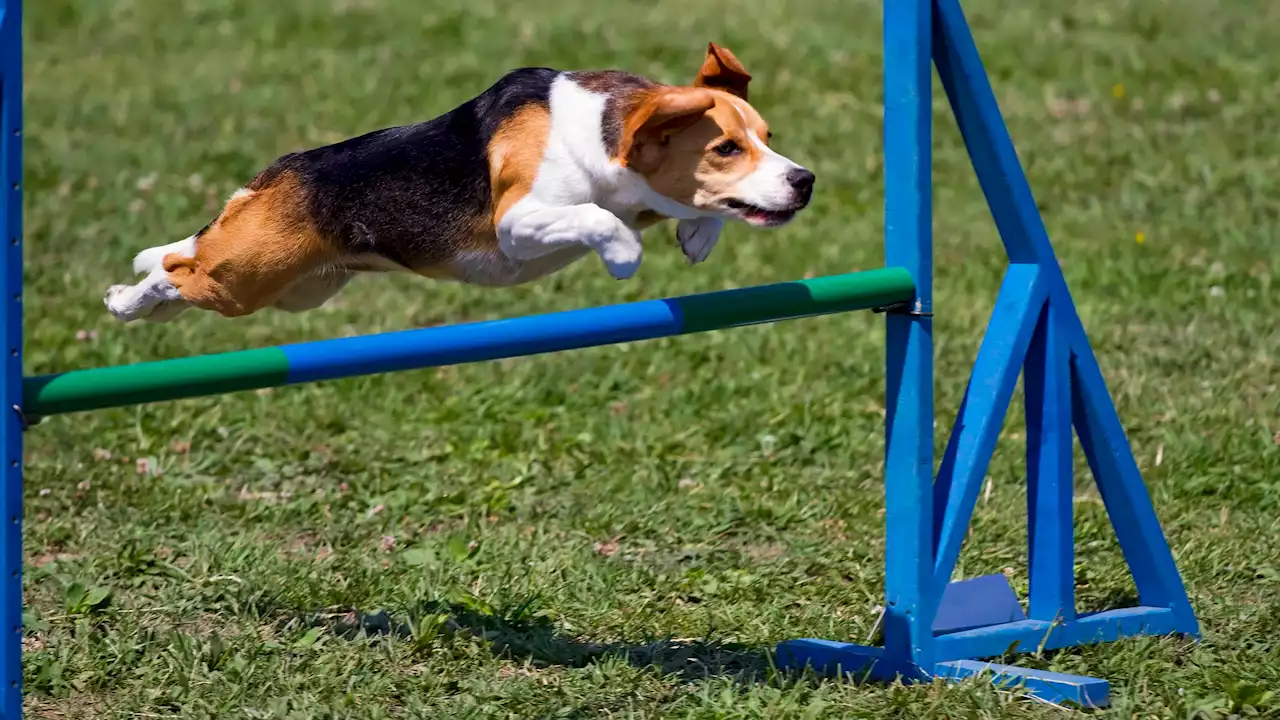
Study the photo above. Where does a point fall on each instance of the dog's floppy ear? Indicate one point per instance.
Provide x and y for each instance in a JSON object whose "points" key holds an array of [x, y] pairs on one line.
{"points": [[657, 117], [722, 71]]}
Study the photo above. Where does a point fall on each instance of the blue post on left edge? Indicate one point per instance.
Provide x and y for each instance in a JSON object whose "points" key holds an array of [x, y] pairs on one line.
{"points": [[11, 383]]}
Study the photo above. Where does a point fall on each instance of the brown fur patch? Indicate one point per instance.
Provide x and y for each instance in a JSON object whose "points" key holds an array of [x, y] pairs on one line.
{"points": [[253, 252], [684, 166], [515, 153], [658, 116]]}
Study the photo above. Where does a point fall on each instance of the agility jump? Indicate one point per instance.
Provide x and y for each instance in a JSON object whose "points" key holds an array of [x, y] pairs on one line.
{"points": [[932, 626]]}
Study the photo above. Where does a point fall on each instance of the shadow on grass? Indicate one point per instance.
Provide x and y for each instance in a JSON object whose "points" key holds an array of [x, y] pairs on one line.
{"points": [[522, 634]]}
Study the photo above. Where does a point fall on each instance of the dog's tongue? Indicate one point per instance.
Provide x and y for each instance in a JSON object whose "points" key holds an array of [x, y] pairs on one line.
{"points": [[766, 217]]}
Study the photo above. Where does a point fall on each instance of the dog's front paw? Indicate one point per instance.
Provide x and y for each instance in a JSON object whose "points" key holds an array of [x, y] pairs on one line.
{"points": [[698, 237], [622, 257]]}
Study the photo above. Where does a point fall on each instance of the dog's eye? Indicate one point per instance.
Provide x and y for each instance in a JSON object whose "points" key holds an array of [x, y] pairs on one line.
{"points": [[727, 148]]}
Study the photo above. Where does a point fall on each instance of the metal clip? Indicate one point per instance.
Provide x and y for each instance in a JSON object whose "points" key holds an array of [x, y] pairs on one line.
{"points": [[27, 422], [902, 308]]}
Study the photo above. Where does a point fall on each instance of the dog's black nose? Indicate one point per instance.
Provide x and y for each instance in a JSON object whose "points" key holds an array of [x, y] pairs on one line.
{"points": [[801, 180]]}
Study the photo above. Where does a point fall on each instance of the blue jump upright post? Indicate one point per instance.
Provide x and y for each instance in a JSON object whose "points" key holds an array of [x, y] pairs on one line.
{"points": [[11, 383], [934, 627]]}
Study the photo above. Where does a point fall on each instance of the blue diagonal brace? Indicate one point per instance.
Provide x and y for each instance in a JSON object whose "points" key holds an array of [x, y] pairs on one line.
{"points": [[1102, 438], [1013, 208], [982, 412]]}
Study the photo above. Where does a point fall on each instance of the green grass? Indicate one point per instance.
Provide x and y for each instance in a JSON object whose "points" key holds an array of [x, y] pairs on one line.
{"points": [[626, 531]]}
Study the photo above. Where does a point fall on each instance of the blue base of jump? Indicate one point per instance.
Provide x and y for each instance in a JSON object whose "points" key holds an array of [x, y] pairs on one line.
{"points": [[864, 662], [969, 604]]}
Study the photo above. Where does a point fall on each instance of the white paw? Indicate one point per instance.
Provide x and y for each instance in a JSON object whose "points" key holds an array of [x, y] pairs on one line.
{"points": [[621, 257], [117, 300], [152, 299], [698, 237]]}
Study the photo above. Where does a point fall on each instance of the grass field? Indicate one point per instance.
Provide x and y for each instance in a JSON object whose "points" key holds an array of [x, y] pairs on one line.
{"points": [[627, 531]]}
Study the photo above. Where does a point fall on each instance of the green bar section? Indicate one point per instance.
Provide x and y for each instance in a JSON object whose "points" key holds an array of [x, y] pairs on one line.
{"points": [[802, 298], [150, 381]]}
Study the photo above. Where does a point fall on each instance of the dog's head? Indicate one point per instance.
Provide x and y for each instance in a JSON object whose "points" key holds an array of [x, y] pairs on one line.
{"points": [[704, 146]]}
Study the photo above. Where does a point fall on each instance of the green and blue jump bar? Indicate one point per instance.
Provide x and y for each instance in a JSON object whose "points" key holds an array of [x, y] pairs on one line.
{"points": [[80, 390]]}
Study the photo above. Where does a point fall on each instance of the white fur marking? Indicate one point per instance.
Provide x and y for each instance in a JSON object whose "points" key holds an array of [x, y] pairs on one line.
{"points": [[766, 186], [152, 259]]}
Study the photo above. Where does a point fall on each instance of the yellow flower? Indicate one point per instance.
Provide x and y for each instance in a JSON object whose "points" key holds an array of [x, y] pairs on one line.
{"points": [[1117, 90], [1140, 238]]}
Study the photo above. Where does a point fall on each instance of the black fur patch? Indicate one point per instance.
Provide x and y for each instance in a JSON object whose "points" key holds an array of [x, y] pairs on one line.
{"points": [[412, 193]]}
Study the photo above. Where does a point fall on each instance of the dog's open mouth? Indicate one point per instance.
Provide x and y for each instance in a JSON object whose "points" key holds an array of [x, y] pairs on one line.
{"points": [[755, 215]]}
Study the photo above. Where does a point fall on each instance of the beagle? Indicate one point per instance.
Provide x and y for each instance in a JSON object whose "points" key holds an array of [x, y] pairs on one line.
{"points": [[536, 172]]}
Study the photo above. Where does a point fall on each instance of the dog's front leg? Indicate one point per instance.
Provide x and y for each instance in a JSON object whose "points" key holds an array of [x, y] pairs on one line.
{"points": [[697, 237], [530, 234]]}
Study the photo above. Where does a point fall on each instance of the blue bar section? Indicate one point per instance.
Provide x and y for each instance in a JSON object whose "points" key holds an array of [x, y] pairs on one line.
{"points": [[489, 340], [1057, 688], [11, 384], [982, 412], [910, 594]]}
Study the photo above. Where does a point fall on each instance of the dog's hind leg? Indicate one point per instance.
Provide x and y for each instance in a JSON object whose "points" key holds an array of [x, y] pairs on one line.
{"points": [[152, 298], [250, 257]]}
